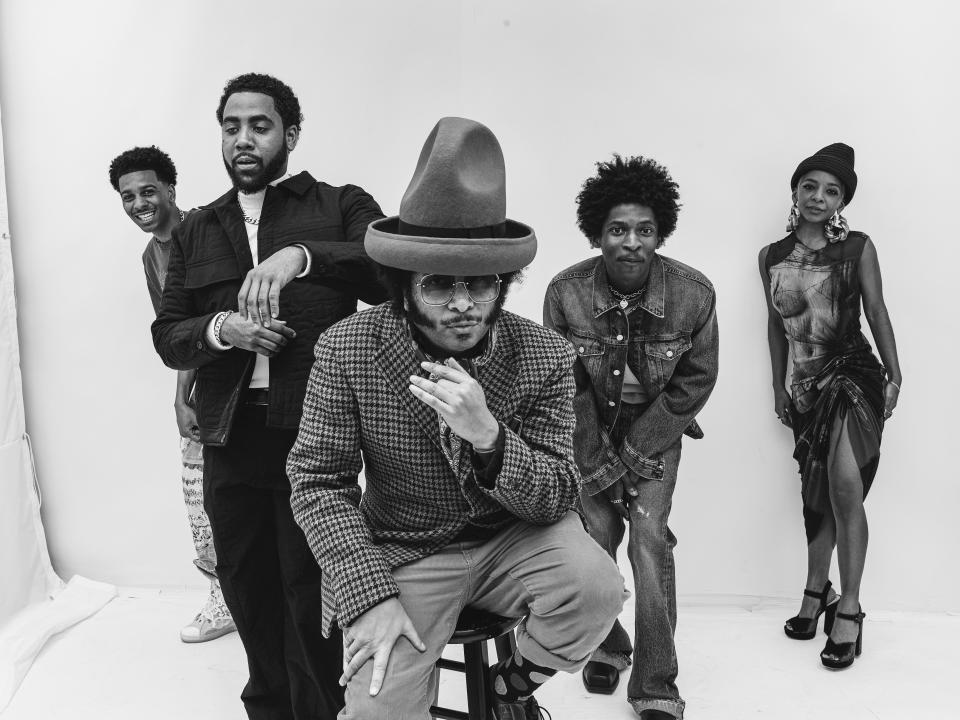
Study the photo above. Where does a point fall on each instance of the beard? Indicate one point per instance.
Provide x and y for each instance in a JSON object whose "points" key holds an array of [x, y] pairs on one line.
{"points": [[255, 183]]}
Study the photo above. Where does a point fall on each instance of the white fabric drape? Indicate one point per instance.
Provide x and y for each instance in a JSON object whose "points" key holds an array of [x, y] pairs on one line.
{"points": [[34, 602]]}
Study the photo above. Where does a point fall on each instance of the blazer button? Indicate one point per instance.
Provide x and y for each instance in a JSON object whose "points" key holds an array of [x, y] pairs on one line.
{"points": [[199, 344], [619, 337], [669, 353], [616, 372], [611, 403]]}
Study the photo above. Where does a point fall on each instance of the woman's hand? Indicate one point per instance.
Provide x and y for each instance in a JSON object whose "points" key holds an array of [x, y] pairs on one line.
{"points": [[782, 407], [891, 393]]}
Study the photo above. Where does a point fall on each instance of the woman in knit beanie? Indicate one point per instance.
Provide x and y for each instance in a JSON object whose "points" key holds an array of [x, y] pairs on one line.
{"points": [[840, 395]]}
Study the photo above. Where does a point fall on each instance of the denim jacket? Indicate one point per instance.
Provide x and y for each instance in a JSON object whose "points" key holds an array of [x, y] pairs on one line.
{"points": [[669, 338]]}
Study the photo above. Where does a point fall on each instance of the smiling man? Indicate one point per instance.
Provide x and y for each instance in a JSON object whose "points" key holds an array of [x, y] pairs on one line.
{"points": [[254, 278], [461, 414], [146, 179], [644, 327]]}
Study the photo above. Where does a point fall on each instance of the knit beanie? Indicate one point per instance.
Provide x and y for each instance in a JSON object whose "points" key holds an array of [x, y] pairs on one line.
{"points": [[836, 159]]}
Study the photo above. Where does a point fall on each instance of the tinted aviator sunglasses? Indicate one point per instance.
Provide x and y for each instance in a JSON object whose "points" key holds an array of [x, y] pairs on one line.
{"points": [[440, 289]]}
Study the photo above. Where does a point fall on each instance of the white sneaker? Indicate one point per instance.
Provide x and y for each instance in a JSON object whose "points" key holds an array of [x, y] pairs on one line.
{"points": [[213, 620]]}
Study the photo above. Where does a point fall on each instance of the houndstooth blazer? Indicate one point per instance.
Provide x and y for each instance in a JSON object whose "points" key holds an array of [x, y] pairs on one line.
{"points": [[358, 405]]}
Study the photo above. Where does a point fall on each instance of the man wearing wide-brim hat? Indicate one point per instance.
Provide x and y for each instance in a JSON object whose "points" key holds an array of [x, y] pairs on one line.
{"points": [[462, 413]]}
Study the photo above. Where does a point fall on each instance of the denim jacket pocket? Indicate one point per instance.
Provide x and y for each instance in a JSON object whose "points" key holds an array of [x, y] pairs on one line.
{"points": [[590, 353], [211, 271], [662, 358]]}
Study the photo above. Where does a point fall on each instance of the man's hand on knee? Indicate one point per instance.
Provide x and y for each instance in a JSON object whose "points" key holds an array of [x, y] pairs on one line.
{"points": [[373, 635]]}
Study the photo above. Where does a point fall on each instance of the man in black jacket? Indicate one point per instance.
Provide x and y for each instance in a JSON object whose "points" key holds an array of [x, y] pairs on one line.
{"points": [[253, 280]]}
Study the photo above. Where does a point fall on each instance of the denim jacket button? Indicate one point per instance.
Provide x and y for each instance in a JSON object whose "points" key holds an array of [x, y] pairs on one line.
{"points": [[581, 348], [619, 337], [669, 353], [616, 372], [611, 403]]}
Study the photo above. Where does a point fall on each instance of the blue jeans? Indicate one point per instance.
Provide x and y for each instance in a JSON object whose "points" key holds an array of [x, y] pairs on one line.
{"points": [[650, 546]]}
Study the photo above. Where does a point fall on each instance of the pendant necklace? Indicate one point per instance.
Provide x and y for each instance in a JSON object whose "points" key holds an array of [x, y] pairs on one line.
{"points": [[625, 298]]}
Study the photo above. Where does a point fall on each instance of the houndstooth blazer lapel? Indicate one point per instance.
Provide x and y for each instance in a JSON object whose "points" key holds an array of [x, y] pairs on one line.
{"points": [[397, 362]]}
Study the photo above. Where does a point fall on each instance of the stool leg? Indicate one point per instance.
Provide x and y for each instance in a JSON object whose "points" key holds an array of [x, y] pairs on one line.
{"points": [[477, 672], [506, 645]]}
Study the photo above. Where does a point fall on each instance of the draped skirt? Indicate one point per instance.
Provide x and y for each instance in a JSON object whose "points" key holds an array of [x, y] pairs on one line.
{"points": [[849, 388]]}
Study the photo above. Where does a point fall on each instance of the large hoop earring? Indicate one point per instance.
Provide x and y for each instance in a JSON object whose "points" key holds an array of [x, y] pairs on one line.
{"points": [[837, 228], [793, 219]]}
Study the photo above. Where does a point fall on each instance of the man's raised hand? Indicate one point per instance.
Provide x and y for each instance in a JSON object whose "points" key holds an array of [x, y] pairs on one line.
{"points": [[259, 296], [460, 400]]}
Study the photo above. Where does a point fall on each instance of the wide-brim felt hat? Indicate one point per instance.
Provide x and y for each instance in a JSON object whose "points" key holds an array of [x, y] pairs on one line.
{"points": [[836, 159], [452, 218]]}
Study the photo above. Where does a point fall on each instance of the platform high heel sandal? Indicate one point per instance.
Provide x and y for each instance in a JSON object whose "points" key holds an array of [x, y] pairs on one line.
{"points": [[838, 656], [801, 628]]}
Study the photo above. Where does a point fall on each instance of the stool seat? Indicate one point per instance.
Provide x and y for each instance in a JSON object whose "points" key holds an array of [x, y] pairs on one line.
{"points": [[475, 625], [474, 628]]}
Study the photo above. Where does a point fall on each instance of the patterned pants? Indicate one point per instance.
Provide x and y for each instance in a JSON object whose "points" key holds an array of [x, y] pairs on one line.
{"points": [[192, 474]]}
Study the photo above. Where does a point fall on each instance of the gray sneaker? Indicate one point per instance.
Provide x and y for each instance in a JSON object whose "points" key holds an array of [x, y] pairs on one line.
{"points": [[213, 620]]}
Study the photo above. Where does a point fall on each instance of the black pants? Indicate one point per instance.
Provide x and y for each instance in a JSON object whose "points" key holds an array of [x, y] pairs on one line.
{"points": [[270, 579]]}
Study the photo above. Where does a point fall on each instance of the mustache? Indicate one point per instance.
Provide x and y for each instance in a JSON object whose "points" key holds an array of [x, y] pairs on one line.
{"points": [[460, 319]]}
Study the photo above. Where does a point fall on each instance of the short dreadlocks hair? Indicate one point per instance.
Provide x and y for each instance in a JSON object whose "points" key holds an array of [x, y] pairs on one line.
{"points": [[143, 158], [636, 180], [285, 102]]}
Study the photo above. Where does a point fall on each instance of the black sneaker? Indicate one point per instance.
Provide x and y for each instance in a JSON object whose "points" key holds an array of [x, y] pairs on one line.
{"points": [[527, 709]]}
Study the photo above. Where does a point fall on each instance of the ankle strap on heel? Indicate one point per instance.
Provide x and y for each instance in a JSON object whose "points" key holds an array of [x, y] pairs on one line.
{"points": [[822, 595], [853, 617]]}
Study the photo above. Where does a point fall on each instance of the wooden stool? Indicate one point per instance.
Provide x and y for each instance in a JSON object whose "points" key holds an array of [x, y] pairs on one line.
{"points": [[474, 628]]}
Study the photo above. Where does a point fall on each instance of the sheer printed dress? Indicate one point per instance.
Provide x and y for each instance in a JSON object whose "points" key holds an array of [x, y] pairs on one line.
{"points": [[836, 377]]}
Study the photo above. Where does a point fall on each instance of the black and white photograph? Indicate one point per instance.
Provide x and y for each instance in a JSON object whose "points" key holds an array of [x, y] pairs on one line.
{"points": [[478, 360]]}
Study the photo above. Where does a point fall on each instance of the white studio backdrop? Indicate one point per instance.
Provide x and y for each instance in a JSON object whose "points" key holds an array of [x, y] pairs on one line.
{"points": [[34, 602], [730, 96]]}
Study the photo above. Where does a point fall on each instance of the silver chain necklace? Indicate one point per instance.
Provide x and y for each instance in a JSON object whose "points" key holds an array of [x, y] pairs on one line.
{"points": [[246, 218], [625, 298]]}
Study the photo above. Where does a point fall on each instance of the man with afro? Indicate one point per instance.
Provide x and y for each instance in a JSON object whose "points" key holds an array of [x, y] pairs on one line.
{"points": [[644, 328], [146, 179]]}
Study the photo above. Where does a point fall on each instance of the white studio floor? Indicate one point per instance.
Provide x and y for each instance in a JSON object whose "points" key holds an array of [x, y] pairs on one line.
{"points": [[128, 662]]}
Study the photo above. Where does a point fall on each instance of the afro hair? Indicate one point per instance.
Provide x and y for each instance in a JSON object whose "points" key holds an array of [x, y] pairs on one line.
{"points": [[636, 180], [143, 158], [285, 102]]}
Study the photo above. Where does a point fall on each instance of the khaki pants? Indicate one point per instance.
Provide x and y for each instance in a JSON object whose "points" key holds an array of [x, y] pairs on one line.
{"points": [[556, 577]]}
